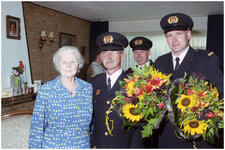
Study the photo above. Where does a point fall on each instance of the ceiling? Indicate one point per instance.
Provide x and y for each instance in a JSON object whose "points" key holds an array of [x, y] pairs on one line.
{"points": [[132, 10]]}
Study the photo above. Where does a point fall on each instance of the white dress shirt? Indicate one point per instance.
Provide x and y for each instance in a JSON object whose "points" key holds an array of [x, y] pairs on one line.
{"points": [[147, 64], [181, 57], [113, 77]]}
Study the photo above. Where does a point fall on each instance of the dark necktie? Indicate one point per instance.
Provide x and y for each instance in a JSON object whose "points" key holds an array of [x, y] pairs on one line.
{"points": [[177, 63], [109, 84]]}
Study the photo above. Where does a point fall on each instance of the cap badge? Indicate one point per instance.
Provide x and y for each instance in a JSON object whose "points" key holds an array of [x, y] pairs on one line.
{"points": [[138, 42], [108, 39], [173, 19]]}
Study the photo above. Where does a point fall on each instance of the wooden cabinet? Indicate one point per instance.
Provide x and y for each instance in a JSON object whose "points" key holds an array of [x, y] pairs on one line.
{"points": [[9, 101]]}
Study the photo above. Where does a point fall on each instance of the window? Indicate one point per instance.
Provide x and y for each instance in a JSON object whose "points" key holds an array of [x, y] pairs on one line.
{"points": [[160, 46]]}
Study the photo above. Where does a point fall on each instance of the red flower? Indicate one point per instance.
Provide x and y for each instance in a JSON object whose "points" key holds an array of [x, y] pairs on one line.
{"points": [[190, 92], [160, 105], [202, 94], [148, 88], [21, 64], [193, 109], [97, 92], [154, 81], [127, 99], [139, 91], [210, 115]]}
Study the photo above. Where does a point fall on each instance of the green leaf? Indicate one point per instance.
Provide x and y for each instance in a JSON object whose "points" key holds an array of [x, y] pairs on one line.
{"points": [[153, 121], [211, 131], [211, 139], [215, 119], [137, 70], [216, 133], [204, 135], [154, 108], [128, 123], [221, 125], [147, 130], [150, 109]]}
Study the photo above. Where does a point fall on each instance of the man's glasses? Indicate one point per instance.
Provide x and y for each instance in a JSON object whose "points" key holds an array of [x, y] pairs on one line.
{"points": [[113, 53]]}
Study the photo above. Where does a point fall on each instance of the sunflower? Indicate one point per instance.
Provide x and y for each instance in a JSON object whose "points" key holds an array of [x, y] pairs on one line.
{"points": [[215, 92], [129, 113], [185, 101], [195, 126]]}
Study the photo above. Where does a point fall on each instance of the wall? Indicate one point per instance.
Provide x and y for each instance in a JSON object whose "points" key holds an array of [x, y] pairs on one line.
{"points": [[200, 23], [38, 18], [12, 50]]}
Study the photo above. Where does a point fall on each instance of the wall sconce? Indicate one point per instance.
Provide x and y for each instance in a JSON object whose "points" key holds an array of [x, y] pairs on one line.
{"points": [[43, 36]]}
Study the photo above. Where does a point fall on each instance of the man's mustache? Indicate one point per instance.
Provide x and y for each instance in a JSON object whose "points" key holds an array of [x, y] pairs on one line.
{"points": [[109, 61]]}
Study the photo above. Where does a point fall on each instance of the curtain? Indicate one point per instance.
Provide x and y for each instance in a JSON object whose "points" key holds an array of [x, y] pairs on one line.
{"points": [[160, 46], [97, 27], [215, 36]]}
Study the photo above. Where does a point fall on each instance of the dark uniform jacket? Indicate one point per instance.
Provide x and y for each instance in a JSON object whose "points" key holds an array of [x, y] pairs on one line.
{"points": [[122, 138], [198, 61], [130, 71]]}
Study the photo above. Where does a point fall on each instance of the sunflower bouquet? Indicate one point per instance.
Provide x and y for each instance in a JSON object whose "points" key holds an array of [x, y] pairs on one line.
{"points": [[196, 108], [142, 100]]}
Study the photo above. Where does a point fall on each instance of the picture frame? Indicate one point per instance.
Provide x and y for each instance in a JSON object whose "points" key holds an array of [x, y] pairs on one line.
{"points": [[38, 83], [67, 39], [13, 27], [8, 92]]}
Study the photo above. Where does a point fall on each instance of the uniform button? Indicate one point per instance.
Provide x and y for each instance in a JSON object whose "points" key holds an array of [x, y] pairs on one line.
{"points": [[86, 132], [95, 101], [108, 102], [106, 133]]}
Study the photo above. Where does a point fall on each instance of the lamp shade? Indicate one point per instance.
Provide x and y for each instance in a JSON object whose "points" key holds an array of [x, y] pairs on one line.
{"points": [[51, 35], [43, 34]]}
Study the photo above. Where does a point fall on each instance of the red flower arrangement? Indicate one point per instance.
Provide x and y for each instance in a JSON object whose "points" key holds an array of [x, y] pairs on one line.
{"points": [[17, 71]]}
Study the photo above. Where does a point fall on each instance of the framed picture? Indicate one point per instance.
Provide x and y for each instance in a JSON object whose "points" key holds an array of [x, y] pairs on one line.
{"points": [[38, 83], [67, 39], [7, 92], [12, 27]]}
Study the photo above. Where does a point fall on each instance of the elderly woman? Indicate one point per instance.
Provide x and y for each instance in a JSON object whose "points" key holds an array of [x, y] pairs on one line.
{"points": [[63, 107]]}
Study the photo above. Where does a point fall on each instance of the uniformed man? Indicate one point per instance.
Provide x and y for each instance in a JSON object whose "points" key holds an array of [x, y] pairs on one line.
{"points": [[141, 48], [111, 45], [183, 58]]}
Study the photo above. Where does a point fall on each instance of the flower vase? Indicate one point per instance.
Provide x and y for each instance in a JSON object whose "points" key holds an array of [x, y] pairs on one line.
{"points": [[19, 85]]}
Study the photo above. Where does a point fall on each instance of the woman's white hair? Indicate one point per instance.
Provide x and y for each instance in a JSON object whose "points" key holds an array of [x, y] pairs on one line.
{"points": [[57, 55]]}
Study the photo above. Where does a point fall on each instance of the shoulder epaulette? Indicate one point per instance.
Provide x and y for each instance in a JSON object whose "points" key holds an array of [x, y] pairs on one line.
{"points": [[93, 76], [205, 52], [210, 54]]}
